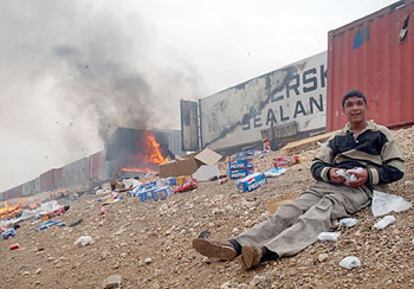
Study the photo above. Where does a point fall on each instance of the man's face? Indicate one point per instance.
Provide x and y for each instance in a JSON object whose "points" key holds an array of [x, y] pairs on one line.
{"points": [[355, 109]]}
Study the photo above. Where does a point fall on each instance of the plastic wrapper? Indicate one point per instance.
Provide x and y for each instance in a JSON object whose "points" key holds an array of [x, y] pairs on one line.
{"points": [[383, 203], [385, 222], [348, 222], [329, 236], [84, 241], [350, 262]]}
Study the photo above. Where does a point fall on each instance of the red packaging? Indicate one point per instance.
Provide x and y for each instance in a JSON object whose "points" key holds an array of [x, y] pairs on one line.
{"points": [[14, 246]]}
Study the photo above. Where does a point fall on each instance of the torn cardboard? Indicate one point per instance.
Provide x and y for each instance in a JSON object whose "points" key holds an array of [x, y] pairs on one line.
{"points": [[189, 164]]}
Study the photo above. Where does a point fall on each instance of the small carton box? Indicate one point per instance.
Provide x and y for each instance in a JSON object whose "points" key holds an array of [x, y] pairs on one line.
{"points": [[162, 193], [251, 182]]}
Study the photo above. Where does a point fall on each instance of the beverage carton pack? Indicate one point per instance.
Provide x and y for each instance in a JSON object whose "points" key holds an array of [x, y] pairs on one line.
{"points": [[240, 164], [162, 193], [251, 182], [241, 173]]}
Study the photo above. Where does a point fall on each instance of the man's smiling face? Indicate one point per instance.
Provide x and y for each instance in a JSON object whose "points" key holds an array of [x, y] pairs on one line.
{"points": [[355, 109]]}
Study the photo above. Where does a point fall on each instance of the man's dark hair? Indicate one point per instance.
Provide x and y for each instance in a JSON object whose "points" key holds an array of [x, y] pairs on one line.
{"points": [[352, 93]]}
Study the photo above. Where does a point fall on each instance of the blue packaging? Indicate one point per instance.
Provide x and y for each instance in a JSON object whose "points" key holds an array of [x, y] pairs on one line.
{"points": [[251, 182], [241, 173], [171, 181], [162, 193], [240, 164]]}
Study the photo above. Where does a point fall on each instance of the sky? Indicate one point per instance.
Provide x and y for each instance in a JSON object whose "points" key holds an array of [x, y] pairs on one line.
{"points": [[75, 70]]}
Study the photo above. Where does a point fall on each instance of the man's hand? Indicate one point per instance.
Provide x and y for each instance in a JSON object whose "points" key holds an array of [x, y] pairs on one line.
{"points": [[334, 177], [361, 177]]}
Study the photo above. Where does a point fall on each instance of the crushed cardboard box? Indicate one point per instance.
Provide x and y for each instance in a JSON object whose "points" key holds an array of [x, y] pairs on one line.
{"points": [[189, 164]]}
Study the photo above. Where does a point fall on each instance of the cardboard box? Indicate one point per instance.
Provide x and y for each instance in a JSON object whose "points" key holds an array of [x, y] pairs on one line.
{"points": [[251, 182], [189, 164]]}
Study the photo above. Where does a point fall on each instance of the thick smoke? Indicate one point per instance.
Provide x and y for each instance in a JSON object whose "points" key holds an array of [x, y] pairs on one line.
{"points": [[101, 67], [71, 73]]}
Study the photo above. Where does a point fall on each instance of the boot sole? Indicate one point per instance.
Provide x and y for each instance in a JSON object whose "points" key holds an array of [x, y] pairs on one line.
{"points": [[248, 258], [207, 248]]}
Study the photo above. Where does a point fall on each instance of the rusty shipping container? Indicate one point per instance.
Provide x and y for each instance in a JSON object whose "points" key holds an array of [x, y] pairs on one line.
{"points": [[96, 166], [16, 192], [31, 187], [374, 54], [76, 175], [47, 181], [57, 179]]}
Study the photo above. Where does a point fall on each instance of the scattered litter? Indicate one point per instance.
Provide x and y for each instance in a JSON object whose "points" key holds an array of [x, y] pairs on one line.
{"points": [[206, 173], [385, 222], [84, 241], [240, 168], [251, 182], [350, 262], [348, 222], [162, 193], [275, 172], [8, 233], [14, 246], [223, 179], [50, 223], [383, 203], [329, 236], [188, 185], [148, 260], [283, 161]]}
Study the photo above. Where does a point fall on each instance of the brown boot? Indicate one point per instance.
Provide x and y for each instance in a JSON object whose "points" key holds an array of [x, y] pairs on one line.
{"points": [[250, 257], [214, 249]]}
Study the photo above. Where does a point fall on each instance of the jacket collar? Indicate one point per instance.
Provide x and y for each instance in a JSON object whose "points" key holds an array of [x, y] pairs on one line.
{"points": [[371, 125]]}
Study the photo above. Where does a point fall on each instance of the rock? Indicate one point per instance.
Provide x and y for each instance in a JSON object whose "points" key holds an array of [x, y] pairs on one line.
{"points": [[148, 260], [323, 257], [228, 285], [113, 281], [260, 282], [206, 260], [84, 241], [26, 273]]}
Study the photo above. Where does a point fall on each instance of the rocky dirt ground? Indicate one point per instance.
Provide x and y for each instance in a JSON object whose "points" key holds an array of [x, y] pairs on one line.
{"points": [[149, 244]]}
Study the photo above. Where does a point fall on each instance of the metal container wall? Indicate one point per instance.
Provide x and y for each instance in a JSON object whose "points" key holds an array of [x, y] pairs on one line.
{"points": [[96, 166], [369, 55], [16, 192], [47, 181], [32, 187], [57, 179], [76, 175], [294, 94]]}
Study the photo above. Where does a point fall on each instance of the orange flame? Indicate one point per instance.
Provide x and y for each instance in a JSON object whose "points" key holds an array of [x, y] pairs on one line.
{"points": [[136, 170], [153, 149], [8, 211]]}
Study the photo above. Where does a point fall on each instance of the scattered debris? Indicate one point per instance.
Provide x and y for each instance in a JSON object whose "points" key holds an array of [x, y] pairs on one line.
{"points": [[14, 246], [348, 222], [383, 203], [385, 222], [329, 236], [350, 262], [84, 241]]}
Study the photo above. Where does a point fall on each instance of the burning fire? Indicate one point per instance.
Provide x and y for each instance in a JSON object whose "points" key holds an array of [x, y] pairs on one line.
{"points": [[7, 211], [153, 149], [150, 154]]}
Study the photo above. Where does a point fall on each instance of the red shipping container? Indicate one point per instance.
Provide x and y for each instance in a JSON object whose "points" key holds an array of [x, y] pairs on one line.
{"points": [[47, 181], [16, 192], [57, 178], [95, 165], [375, 55]]}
